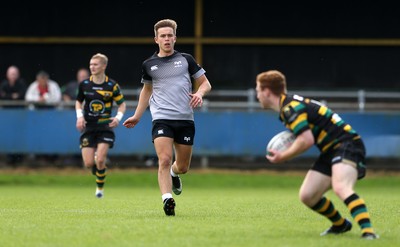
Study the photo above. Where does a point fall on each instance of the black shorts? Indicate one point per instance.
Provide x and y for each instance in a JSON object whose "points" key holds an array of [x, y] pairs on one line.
{"points": [[349, 152], [92, 136], [182, 131]]}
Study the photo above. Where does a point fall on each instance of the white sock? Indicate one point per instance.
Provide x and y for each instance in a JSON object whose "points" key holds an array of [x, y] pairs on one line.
{"points": [[173, 173], [165, 196]]}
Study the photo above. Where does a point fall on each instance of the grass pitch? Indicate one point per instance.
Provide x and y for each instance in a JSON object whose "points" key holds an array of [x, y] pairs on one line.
{"points": [[58, 208]]}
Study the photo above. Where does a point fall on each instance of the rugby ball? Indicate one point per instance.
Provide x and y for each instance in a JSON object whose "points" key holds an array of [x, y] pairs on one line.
{"points": [[281, 141]]}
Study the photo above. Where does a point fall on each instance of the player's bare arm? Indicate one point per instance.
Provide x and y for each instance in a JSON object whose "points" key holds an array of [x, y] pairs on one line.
{"points": [[120, 113], [204, 88], [143, 103], [80, 120], [303, 142]]}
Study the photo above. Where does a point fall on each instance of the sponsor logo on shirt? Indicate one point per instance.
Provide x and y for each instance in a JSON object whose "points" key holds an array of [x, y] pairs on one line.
{"points": [[178, 64]]}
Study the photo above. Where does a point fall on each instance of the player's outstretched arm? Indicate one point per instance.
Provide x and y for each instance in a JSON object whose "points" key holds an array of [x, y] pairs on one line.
{"points": [[144, 97]]}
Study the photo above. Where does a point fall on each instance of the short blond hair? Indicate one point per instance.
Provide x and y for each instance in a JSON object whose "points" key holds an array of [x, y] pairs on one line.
{"points": [[165, 23], [274, 80], [103, 58]]}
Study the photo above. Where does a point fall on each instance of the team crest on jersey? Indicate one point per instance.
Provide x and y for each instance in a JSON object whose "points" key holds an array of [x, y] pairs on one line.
{"points": [[290, 114], [287, 111], [107, 96], [85, 142]]}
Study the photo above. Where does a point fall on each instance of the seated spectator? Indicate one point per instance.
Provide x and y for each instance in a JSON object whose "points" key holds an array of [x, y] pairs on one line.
{"points": [[70, 90], [44, 92], [13, 87]]}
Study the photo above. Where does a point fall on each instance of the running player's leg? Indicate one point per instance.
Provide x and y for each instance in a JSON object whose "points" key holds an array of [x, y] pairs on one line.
{"points": [[88, 150], [101, 173], [344, 177], [183, 157], [88, 156], [164, 150], [312, 195], [183, 144]]}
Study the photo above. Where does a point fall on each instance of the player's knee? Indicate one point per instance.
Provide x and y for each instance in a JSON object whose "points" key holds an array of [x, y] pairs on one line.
{"points": [[101, 161], [341, 190], [88, 164], [182, 166], [164, 160], [182, 170], [307, 198]]}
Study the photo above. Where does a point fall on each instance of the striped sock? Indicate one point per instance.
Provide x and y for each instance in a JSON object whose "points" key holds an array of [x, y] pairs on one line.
{"points": [[359, 212], [326, 208], [100, 178]]}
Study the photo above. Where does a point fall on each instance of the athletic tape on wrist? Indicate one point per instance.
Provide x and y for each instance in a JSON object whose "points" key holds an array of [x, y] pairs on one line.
{"points": [[119, 116], [79, 113]]}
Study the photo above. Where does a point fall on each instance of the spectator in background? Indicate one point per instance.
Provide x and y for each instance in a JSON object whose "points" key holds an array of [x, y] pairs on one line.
{"points": [[43, 92], [70, 90], [13, 87]]}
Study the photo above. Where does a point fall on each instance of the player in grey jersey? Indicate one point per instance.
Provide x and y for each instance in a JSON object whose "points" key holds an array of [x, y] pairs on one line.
{"points": [[167, 89]]}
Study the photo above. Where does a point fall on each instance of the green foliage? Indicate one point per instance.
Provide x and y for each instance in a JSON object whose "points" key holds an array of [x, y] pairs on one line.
{"points": [[215, 209]]}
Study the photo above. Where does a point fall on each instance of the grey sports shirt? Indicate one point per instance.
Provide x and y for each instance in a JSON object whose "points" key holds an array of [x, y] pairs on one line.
{"points": [[172, 84]]}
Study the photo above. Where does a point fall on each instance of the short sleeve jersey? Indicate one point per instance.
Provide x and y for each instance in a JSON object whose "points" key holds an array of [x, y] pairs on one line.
{"points": [[171, 78], [300, 114], [98, 99]]}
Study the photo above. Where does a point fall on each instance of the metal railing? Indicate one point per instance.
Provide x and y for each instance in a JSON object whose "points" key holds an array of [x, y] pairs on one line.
{"points": [[359, 100], [220, 100]]}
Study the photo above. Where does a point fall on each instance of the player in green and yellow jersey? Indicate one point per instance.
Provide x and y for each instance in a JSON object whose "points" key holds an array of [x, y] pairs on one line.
{"points": [[342, 153], [93, 106]]}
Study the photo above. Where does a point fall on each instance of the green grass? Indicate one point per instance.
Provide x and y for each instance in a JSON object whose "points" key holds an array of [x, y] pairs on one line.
{"points": [[56, 208]]}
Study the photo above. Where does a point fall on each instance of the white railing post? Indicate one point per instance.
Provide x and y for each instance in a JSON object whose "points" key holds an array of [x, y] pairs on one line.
{"points": [[361, 100], [206, 103], [250, 99], [204, 163]]}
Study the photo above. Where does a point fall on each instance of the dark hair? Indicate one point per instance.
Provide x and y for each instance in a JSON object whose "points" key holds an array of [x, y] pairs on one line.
{"points": [[43, 74]]}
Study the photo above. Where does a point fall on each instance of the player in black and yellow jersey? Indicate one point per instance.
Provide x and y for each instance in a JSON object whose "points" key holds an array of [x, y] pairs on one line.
{"points": [[93, 106], [342, 153]]}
